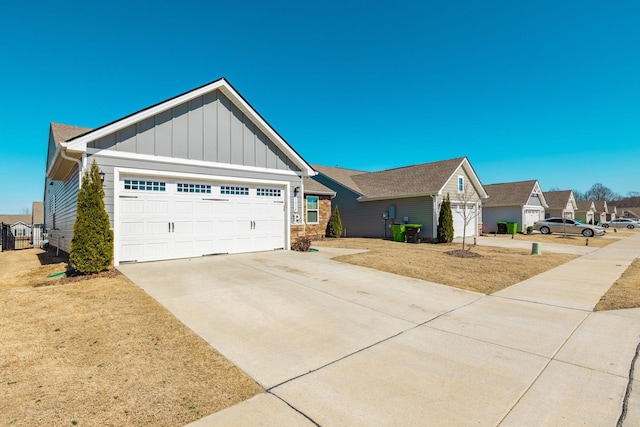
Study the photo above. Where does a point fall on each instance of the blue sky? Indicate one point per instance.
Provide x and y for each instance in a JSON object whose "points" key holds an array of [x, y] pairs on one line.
{"points": [[543, 90]]}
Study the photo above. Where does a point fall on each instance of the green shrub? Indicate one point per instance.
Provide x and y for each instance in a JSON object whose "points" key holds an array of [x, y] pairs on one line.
{"points": [[92, 243], [529, 230], [334, 227], [445, 222]]}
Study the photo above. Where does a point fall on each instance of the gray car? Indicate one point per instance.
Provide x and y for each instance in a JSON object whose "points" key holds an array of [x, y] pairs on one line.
{"points": [[620, 223], [568, 226]]}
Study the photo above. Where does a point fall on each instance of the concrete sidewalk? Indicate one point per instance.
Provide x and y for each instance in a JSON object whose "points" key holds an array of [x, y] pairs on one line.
{"points": [[336, 344], [506, 242]]}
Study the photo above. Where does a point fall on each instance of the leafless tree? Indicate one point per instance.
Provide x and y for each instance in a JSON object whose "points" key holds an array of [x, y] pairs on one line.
{"points": [[468, 199]]}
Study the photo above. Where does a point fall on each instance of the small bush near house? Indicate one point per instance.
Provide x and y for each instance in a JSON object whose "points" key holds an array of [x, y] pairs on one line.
{"points": [[529, 230], [445, 222], [302, 244], [92, 243], [334, 227]]}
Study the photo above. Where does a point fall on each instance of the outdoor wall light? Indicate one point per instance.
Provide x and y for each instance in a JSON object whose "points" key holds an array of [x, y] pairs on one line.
{"points": [[296, 191], [101, 174]]}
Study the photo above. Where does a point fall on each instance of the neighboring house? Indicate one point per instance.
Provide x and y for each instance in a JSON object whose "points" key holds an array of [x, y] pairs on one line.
{"points": [[633, 213], [315, 212], [37, 221], [561, 204], [201, 173], [585, 212], [370, 202], [601, 211], [20, 225], [522, 202], [612, 213]]}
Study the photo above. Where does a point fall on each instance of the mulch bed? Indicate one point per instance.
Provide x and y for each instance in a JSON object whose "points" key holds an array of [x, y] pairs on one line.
{"points": [[463, 254]]}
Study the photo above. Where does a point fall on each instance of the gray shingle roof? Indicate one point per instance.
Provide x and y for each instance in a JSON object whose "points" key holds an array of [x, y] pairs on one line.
{"points": [[509, 193], [583, 206], [599, 205], [557, 199], [62, 132], [341, 175], [426, 178], [312, 186], [12, 219]]}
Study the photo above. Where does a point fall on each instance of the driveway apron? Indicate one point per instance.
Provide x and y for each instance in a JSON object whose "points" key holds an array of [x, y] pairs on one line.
{"points": [[336, 344]]}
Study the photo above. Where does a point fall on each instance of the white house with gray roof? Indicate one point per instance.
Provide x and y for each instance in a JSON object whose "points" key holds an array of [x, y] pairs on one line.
{"points": [[201, 173]]}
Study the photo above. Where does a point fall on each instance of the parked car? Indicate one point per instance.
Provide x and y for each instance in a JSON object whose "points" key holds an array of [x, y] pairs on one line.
{"points": [[568, 226], [620, 223]]}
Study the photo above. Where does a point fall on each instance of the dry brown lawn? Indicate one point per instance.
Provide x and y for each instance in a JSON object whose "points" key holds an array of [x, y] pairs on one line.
{"points": [[625, 292], [101, 352], [496, 269]]}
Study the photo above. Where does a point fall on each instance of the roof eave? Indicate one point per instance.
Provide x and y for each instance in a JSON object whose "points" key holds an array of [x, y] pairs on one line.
{"points": [[393, 197]]}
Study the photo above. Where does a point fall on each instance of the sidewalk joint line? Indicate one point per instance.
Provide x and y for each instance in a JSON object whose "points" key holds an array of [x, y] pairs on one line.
{"points": [[369, 346], [294, 408], [627, 394]]}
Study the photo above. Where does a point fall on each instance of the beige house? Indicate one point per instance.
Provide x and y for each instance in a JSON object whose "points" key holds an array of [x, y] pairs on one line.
{"points": [[521, 202]]}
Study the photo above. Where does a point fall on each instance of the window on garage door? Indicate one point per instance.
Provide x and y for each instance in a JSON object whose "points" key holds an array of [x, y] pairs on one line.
{"points": [[184, 187], [143, 185]]}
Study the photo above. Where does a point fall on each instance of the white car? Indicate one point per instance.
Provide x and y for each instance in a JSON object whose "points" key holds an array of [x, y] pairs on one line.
{"points": [[620, 223]]}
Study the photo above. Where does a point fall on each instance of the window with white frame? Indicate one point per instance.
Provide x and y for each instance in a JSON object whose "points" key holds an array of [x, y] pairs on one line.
{"points": [[461, 184], [238, 191], [313, 214], [194, 188], [142, 185], [268, 192]]}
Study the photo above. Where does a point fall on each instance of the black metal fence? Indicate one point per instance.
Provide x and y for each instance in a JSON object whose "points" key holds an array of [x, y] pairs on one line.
{"points": [[21, 236]]}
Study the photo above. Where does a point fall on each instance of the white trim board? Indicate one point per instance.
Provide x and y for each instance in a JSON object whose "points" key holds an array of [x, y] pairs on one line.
{"points": [[185, 162]]}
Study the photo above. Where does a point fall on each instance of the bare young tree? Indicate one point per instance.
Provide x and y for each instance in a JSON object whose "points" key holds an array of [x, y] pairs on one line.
{"points": [[468, 208]]}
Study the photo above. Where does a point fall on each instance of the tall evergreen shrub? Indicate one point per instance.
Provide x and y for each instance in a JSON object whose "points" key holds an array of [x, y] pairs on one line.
{"points": [[334, 228], [92, 243], [445, 222]]}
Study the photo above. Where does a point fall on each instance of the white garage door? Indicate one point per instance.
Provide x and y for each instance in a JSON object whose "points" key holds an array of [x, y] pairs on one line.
{"points": [[165, 219], [531, 216], [457, 209]]}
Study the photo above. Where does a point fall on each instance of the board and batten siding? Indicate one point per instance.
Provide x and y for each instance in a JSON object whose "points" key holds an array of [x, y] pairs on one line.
{"points": [[208, 128], [61, 200], [534, 200], [107, 165]]}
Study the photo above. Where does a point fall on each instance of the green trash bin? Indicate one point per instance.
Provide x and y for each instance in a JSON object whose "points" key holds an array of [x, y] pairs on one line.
{"points": [[512, 227], [398, 231]]}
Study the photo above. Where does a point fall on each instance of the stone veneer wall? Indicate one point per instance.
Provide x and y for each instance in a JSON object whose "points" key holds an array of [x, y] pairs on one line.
{"points": [[314, 231]]}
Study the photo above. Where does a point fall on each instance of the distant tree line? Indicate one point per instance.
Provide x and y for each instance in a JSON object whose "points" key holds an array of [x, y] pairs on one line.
{"points": [[602, 192]]}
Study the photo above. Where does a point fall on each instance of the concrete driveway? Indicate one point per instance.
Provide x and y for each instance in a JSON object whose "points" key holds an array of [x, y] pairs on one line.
{"points": [[336, 344]]}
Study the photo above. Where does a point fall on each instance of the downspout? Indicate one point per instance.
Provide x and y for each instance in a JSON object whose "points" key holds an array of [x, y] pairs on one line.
{"points": [[434, 227]]}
